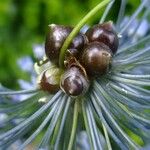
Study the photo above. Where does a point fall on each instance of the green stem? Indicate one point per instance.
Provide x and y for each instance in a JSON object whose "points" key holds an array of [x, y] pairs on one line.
{"points": [[18, 92], [107, 137], [56, 130], [77, 29], [74, 124], [87, 125]]}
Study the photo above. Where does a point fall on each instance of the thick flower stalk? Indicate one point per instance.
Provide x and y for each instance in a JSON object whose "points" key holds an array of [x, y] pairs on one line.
{"points": [[114, 113]]}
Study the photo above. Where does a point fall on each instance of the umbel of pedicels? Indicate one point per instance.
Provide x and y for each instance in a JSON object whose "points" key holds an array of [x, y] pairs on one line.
{"points": [[88, 56]]}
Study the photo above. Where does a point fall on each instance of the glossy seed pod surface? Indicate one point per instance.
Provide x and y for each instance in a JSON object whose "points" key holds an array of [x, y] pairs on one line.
{"points": [[96, 58], [55, 38], [49, 81], [73, 82], [104, 33], [78, 42]]}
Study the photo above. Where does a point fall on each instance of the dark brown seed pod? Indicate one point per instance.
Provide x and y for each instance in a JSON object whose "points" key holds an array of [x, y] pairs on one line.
{"points": [[96, 58], [104, 33], [73, 82], [55, 39], [78, 42], [49, 80]]}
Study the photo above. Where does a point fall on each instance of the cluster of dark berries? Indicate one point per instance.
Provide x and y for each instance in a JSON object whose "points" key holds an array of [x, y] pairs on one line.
{"points": [[88, 56]]}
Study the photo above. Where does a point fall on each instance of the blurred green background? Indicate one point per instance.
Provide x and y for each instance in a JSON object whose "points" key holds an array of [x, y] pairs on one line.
{"points": [[24, 23]]}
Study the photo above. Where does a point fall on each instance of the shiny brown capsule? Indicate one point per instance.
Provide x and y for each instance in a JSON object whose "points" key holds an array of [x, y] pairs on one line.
{"points": [[104, 33], [96, 58], [55, 39], [73, 82], [49, 80]]}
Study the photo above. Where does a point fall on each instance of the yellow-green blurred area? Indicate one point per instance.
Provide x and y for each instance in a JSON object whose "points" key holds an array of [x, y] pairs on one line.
{"points": [[25, 22]]}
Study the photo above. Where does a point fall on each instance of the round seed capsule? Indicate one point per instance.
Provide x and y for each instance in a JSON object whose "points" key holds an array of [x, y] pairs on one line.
{"points": [[104, 33], [73, 82], [96, 58], [55, 39], [49, 80]]}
